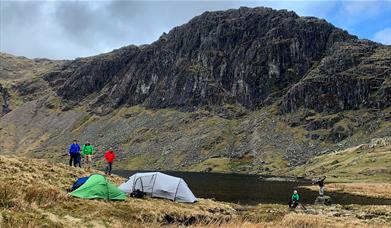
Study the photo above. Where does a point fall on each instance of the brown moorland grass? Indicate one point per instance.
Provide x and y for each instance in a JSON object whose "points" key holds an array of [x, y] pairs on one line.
{"points": [[378, 190], [300, 221], [33, 194]]}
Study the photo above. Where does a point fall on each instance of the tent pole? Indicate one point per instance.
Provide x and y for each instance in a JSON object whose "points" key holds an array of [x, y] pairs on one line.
{"points": [[134, 182], [107, 187], [142, 185], [176, 191], [153, 184]]}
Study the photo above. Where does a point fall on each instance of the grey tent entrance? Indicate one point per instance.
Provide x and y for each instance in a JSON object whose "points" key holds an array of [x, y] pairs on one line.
{"points": [[159, 185]]}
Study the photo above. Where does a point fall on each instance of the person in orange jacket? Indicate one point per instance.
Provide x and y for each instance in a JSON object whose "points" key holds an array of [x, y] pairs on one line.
{"points": [[109, 156]]}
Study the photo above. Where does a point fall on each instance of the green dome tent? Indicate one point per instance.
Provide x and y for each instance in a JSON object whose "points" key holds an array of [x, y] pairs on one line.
{"points": [[98, 187]]}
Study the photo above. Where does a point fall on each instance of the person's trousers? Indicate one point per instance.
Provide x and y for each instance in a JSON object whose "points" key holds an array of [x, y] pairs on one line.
{"points": [[88, 158], [109, 167], [74, 159], [321, 191], [293, 203], [78, 160]]}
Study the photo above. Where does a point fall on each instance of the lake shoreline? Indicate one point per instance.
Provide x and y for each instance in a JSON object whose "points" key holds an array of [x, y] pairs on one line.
{"points": [[373, 190], [260, 176], [250, 189]]}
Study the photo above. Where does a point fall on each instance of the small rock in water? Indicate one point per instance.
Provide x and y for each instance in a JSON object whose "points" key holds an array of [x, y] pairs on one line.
{"points": [[208, 170], [323, 200]]}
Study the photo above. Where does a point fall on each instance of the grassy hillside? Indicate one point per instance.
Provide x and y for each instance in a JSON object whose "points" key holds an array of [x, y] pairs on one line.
{"points": [[15, 68], [33, 194], [364, 163], [259, 142], [21, 79]]}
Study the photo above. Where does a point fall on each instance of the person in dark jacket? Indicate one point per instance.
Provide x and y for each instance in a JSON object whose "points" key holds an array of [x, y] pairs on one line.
{"points": [[109, 156], [74, 154], [320, 182]]}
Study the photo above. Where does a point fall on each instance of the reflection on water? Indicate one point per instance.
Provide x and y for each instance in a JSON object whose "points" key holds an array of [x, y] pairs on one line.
{"points": [[250, 189]]}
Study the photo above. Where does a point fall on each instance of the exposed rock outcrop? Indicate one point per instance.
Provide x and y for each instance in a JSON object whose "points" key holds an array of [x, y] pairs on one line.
{"points": [[4, 98], [250, 56], [352, 75], [323, 200]]}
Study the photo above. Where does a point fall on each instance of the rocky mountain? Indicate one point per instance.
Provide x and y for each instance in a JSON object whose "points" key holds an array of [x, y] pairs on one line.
{"points": [[245, 90], [249, 57]]}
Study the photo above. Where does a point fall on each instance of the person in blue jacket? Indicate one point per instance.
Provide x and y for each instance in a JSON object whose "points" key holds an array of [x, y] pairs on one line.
{"points": [[74, 154]]}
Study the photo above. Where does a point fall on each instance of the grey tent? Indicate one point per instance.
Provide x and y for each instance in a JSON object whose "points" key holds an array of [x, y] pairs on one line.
{"points": [[159, 185]]}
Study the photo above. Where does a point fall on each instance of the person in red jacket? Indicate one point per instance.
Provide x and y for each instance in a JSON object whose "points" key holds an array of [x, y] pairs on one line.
{"points": [[109, 156]]}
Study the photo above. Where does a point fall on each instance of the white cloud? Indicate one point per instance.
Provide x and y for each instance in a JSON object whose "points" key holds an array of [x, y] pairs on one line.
{"points": [[383, 36], [68, 29], [353, 8]]}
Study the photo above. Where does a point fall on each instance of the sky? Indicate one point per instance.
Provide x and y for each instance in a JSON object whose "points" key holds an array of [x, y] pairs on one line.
{"points": [[71, 29]]}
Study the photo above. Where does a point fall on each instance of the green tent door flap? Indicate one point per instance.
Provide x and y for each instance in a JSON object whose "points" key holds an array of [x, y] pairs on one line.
{"points": [[98, 187]]}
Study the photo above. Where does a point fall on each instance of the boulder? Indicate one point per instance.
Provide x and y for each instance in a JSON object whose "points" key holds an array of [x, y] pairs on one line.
{"points": [[323, 200]]}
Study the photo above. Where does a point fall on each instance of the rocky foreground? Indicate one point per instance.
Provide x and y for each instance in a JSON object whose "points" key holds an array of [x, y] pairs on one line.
{"points": [[33, 194]]}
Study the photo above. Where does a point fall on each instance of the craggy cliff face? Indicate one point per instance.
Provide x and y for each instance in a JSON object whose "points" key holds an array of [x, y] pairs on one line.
{"points": [[4, 99], [251, 57]]}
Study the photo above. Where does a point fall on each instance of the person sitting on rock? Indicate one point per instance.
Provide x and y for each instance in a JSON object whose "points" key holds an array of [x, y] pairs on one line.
{"points": [[294, 200], [320, 182]]}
